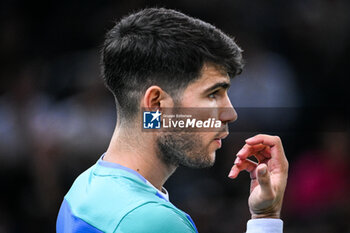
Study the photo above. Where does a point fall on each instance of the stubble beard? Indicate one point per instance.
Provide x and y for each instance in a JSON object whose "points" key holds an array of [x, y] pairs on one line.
{"points": [[183, 149]]}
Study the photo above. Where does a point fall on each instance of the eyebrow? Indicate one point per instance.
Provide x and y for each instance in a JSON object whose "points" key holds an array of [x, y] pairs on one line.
{"points": [[224, 85]]}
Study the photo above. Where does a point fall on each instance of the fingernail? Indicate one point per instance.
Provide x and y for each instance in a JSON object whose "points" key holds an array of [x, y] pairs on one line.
{"points": [[248, 139], [262, 171]]}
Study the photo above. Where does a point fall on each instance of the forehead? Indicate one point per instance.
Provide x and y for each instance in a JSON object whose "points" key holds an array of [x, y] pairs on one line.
{"points": [[210, 74]]}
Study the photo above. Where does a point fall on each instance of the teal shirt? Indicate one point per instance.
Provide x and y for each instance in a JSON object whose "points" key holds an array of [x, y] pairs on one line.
{"points": [[109, 197]]}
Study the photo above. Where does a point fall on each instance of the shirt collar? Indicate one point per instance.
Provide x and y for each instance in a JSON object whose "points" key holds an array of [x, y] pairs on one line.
{"points": [[162, 194]]}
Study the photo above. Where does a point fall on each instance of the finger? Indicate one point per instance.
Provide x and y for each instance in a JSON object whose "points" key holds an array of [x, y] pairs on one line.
{"points": [[273, 141], [261, 157], [266, 152], [260, 152], [264, 181], [264, 139], [245, 164], [249, 150], [234, 172], [240, 165]]}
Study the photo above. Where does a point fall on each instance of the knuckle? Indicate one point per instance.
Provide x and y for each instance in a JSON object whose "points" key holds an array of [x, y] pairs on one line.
{"points": [[277, 139]]}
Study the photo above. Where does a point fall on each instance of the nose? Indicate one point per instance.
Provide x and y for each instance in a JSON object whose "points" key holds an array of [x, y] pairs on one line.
{"points": [[227, 113]]}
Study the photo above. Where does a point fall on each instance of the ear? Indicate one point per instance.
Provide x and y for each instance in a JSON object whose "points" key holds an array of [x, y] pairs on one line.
{"points": [[156, 98]]}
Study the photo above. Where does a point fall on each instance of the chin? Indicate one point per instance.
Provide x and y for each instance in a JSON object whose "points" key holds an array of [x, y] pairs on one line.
{"points": [[212, 158]]}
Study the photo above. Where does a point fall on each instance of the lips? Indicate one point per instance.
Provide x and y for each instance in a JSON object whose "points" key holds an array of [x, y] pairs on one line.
{"points": [[220, 137], [218, 141]]}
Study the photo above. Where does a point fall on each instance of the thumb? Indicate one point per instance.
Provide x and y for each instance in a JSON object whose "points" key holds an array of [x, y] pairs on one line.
{"points": [[264, 180]]}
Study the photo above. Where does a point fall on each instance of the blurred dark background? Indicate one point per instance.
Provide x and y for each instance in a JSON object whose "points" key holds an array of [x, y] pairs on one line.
{"points": [[56, 117]]}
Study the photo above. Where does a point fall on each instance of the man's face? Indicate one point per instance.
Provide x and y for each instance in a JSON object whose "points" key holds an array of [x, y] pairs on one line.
{"points": [[197, 149]]}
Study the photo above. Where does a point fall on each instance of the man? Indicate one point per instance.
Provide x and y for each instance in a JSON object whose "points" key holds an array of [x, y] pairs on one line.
{"points": [[157, 59]]}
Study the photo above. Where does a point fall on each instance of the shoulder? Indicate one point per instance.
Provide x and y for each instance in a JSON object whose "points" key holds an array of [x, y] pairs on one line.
{"points": [[103, 199], [155, 217]]}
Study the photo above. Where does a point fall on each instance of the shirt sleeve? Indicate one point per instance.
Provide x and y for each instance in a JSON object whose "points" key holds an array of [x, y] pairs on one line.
{"points": [[265, 225], [154, 217]]}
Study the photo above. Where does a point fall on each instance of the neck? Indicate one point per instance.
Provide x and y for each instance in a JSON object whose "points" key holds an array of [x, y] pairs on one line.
{"points": [[133, 150]]}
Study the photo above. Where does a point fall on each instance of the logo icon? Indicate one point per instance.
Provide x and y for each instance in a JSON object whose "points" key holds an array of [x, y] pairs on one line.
{"points": [[151, 120]]}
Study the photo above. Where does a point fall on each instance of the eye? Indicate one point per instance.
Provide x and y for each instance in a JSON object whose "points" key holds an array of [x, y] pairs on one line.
{"points": [[213, 94]]}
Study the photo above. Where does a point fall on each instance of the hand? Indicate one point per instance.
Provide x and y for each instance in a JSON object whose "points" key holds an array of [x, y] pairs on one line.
{"points": [[268, 176]]}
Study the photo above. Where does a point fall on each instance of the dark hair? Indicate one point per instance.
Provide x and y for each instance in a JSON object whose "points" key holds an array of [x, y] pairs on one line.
{"points": [[163, 47]]}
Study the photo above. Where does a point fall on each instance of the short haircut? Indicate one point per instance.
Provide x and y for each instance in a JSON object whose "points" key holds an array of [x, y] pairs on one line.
{"points": [[162, 47]]}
